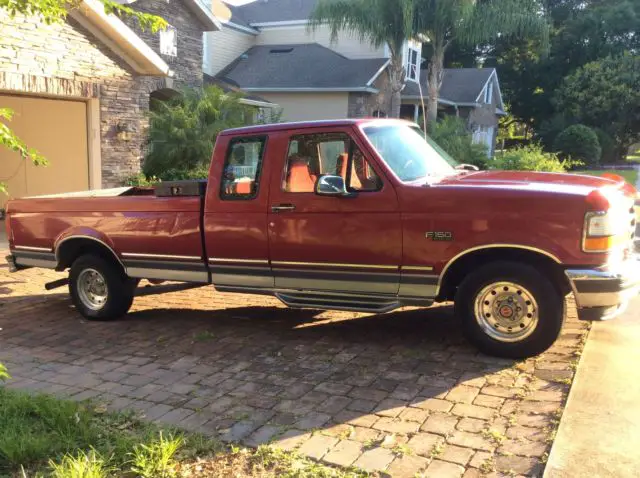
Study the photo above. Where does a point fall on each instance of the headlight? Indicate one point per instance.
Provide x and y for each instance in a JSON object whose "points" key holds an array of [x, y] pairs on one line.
{"points": [[605, 230]]}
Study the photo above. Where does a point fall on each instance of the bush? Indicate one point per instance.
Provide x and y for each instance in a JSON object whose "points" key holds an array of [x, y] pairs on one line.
{"points": [[579, 142], [183, 130], [141, 180], [532, 158], [452, 135], [608, 146]]}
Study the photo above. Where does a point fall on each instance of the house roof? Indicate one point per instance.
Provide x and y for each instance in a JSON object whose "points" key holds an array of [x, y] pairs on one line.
{"points": [[228, 87], [306, 67], [459, 85], [268, 11]]}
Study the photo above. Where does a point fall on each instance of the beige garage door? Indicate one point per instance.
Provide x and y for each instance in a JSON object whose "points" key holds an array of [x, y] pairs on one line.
{"points": [[58, 130]]}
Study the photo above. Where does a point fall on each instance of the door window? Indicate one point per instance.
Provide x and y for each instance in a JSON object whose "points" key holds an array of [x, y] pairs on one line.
{"points": [[242, 168], [310, 156]]}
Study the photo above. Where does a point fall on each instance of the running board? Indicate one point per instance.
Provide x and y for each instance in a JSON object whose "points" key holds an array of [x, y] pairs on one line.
{"points": [[353, 303]]}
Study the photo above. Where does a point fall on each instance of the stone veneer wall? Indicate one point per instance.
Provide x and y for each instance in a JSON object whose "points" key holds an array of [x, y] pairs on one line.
{"points": [[365, 104], [65, 60]]}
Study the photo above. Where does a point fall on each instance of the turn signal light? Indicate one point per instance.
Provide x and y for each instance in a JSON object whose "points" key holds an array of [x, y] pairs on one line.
{"points": [[602, 244]]}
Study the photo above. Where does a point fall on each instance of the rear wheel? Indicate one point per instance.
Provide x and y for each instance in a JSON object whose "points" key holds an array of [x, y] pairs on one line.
{"points": [[99, 289], [510, 310]]}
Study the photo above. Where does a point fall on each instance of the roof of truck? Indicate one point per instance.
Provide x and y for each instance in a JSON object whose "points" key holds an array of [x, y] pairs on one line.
{"points": [[312, 124]]}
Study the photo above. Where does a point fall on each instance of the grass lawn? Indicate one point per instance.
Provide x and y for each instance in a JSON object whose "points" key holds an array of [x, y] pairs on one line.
{"points": [[42, 436], [630, 175]]}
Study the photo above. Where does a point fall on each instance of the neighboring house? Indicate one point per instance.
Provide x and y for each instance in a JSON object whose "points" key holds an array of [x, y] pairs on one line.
{"points": [[81, 89], [266, 48]]}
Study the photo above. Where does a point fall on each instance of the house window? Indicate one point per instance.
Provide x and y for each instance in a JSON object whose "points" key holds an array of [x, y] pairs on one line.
{"points": [[169, 41], [488, 93], [413, 61]]}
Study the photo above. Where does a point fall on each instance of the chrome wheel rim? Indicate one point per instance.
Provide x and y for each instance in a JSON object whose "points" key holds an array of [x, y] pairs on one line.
{"points": [[92, 289], [506, 311]]}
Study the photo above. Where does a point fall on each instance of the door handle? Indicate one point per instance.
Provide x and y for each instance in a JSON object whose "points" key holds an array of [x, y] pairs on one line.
{"points": [[282, 208]]}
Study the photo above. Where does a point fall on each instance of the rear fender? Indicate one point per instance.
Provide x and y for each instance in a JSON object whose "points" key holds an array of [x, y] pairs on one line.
{"points": [[77, 237]]}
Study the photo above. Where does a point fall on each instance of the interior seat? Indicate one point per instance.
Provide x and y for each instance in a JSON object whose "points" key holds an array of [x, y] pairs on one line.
{"points": [[300, 179]]}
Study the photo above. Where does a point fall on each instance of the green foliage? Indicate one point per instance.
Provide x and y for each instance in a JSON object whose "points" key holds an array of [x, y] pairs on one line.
{"points": [[532, 158], [579, 142], [81, 465], [605, 93], [157, 459], [52, 11], [452, 135], [183, 129], [4, 373], [141, 180]]}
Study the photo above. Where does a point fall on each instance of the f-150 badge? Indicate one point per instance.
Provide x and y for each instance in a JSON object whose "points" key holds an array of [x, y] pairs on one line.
{"points": [[439, 235]]}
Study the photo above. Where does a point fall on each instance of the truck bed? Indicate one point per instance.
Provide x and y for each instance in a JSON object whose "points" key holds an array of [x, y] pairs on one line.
{"points": [[148, 234]]}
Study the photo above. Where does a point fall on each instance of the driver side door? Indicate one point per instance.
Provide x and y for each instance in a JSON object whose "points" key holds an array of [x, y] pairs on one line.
{"points": [[347, 244]]}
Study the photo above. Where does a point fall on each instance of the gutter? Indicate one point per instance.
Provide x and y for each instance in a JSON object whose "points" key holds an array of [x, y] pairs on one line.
{"points": [[121, 39], [357, 89]]}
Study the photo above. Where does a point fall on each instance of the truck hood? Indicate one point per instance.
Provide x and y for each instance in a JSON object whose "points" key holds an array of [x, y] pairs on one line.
{"points": [[577, 184]]}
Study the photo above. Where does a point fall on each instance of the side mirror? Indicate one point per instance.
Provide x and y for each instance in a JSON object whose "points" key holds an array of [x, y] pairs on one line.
{"points": [[330, 185], [467, 167]]}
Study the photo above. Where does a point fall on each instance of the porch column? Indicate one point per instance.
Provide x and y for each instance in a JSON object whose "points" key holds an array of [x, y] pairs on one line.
{"points": [[416, 112]]}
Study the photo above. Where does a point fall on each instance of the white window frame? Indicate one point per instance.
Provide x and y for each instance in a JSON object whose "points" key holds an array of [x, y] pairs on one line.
{"points": [[169, 41], [488, 93], [413, 70]]}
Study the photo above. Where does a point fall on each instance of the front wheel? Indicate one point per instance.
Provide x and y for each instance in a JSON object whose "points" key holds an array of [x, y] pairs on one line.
{"points": [[99, 289], [510, 310]]}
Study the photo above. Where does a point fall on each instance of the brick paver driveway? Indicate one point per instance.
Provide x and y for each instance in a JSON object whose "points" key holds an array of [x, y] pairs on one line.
{"points": [[400, 392]]}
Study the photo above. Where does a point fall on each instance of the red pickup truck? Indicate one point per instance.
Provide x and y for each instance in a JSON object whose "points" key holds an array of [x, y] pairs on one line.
{"points": [[362, 215]]}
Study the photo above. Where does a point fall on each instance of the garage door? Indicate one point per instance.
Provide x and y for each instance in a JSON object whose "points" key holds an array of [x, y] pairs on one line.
{"points": [[58, 130]]}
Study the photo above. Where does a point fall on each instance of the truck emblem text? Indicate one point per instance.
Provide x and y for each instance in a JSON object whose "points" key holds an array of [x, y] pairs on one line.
{"points": [[439, 235]]}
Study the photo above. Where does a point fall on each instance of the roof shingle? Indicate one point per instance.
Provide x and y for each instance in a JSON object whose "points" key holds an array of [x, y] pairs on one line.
{"points": [[308, 66], [264, 11], [460, 85]]}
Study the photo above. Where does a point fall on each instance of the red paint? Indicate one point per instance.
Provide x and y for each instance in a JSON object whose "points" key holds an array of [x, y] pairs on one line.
{"points": [[538, 210]]}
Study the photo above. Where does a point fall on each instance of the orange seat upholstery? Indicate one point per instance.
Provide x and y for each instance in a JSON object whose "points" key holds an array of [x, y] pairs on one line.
{"points": [[299, 177], [341, 166], [244, 187]]}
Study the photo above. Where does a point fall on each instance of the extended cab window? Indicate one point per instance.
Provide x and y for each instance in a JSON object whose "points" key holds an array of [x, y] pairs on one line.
{"points": [[312, 155], [242, 168]]}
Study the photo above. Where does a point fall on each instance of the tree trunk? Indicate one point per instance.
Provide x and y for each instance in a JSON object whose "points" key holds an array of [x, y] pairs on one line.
{"points": [[436, 70], [396, 84]]}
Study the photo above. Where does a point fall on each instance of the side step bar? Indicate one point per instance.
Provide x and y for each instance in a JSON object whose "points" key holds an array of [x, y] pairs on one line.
{"points": [[376, 305]]}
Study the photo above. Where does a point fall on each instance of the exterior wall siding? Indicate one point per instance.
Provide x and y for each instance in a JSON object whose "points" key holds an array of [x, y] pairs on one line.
{"points": [[348, 44], [65, 60], [223, 47], [310, 106]]}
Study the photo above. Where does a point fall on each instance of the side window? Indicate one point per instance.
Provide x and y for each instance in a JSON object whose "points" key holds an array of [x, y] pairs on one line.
{"points": [[242, 168], [310, 156]]}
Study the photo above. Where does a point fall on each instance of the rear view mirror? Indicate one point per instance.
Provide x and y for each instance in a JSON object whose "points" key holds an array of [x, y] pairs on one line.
{"points": [[330, 185]]}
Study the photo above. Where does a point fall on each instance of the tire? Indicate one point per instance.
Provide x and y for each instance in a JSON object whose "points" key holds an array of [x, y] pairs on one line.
{"points": [[510, 310], [110, 294]]}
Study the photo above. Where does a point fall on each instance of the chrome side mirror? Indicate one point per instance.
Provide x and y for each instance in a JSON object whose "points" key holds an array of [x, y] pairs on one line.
{"points": [[467, 167], [330, 185]]}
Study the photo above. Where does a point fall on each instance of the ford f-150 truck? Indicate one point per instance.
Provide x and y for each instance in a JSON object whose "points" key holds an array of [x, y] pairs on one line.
{"points": [[362, 215]]}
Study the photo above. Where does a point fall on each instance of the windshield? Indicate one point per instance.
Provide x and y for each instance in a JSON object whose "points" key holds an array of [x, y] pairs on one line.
{"points": [[408, 154]]}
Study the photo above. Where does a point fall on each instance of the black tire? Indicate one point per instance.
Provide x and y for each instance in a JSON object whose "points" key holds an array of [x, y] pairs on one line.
{"points": [[119, 288], [483, 283]]}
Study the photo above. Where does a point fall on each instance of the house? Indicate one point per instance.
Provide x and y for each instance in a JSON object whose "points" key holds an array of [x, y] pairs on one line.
{"points": [[81, 89], [266, 48]]}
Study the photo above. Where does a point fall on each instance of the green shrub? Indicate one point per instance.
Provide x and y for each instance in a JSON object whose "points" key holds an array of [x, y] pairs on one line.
{"points": [[141, 180], [81, 465], [608, 146], [4, 373], [532, 158], [156, 460], [452, 135], [183, 130], [579, 142]]}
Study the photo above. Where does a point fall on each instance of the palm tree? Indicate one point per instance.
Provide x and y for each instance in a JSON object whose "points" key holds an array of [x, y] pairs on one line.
{"points": [[471, 22], [381, 22]]}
